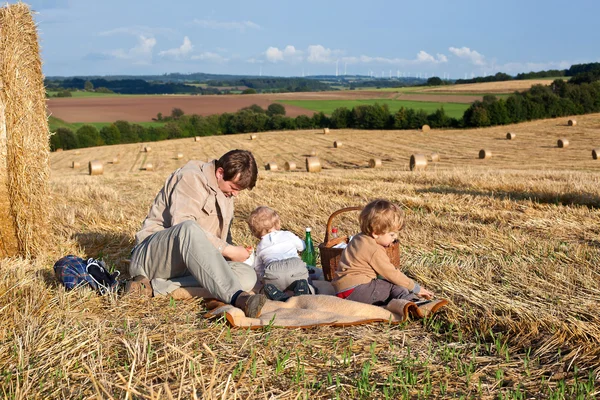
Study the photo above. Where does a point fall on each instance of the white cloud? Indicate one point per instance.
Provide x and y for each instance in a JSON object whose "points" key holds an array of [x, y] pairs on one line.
{"points": [[422, 58], [140, 54], [137, 30], [288, 54], [210, 57], [226, 25], [179, 52], [273, 54], [318, 54], [473, 56]]}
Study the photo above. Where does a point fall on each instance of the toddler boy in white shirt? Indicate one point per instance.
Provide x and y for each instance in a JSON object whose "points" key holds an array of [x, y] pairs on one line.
{"points": [[277, 263]]}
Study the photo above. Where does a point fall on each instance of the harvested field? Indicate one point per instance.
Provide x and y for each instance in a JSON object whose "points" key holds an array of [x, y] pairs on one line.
{"points": [[513, 242], [491, 87]]}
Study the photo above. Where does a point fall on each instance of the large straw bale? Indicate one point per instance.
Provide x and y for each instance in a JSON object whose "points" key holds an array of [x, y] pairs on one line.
{"points": [[313, 164], [271, 166], [289, 166], [425, 128], [95, 167], [572, 122], [483, 154], [375, 163], [418, 162], [562, 143], [325, 131], [435, 157], [24, 136], [511, 135], [595, 153]]}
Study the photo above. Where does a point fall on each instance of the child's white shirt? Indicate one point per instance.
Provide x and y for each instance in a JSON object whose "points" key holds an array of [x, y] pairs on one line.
{"points": [[276, 246]]}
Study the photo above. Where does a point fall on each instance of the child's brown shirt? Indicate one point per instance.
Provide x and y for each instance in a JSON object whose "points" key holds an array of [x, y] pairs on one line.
{"points": [[362, 261]]}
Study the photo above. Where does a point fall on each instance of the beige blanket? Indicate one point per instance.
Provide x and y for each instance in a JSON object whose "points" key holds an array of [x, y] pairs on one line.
{"points": [[310, 311]]}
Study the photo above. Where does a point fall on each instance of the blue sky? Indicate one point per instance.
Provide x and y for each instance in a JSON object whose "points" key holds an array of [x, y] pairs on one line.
{"points": [[437, 37]]}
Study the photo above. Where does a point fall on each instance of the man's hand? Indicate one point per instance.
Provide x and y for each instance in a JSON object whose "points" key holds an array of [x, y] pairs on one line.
{"points": [[236, 253], [425, 293]]}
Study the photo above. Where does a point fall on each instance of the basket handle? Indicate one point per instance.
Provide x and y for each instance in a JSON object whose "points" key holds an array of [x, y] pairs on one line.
{"points": [[330, 221]]}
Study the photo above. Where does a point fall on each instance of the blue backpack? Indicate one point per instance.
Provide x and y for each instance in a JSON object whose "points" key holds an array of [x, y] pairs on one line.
{"points": [[74, 272]]}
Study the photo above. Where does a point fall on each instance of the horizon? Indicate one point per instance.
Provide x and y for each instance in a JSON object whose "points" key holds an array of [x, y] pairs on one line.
{"points": [[85, 38]]}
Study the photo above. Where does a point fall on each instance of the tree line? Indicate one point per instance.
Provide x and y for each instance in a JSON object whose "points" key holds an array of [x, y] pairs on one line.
{"points": [[574, 70], [561, 98]]}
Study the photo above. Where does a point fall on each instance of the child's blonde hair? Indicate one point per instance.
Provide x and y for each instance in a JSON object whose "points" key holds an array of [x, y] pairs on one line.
{"points": [[262, 220], [381, 216]]}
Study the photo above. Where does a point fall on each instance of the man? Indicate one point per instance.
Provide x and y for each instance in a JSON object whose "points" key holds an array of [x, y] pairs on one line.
{"points": [[186, 235]]}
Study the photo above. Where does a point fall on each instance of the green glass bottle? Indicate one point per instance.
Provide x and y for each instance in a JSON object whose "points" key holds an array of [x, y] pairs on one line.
{"points": [[308, 255]]}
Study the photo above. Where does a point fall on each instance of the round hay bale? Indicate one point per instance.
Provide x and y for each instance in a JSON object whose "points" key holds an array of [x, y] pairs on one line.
{"points": [[77, 152], [24, 150], [337, 144], [253, 137], [313, 164], [562, 143], [272, 166], [325, 131], [58, 150], [510, 136], [435, 157], [148, 167], [96, 167], [147, 149], [75, 164], [196, 138], [418, 162], [179, 156], [572, 122], [313, 153], [483, 154], [374, 163], [289, 166], [114, 160], [425, 128], [595, 153]]}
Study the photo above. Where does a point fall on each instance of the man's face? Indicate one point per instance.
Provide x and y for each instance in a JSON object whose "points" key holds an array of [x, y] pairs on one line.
{"points": [[229, 188]]}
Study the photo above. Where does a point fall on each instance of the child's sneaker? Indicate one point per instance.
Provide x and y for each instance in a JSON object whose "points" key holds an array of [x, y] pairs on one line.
{"points": [[300, 287], [273, 293]]}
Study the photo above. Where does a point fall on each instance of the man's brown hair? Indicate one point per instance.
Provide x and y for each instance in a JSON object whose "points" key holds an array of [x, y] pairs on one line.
{"points": [[262, 219], [381, 216], [240, 165]]}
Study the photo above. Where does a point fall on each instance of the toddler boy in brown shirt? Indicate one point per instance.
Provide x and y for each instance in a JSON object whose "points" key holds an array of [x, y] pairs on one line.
{"points": [[365, 260]]}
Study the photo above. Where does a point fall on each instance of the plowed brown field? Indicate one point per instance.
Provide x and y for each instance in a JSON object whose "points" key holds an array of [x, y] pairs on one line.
{"points": [[144, 108]]}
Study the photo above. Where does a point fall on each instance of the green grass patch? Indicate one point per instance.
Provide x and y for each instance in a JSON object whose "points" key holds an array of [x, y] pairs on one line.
{"points": [[55, 123], [455, 110]]}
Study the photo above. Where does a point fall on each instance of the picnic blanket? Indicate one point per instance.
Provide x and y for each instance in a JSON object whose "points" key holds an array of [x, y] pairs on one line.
{"points": [[324, 309]]}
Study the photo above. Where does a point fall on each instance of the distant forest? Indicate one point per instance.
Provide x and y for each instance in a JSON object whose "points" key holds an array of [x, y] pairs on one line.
{"points": [[141, 86]]}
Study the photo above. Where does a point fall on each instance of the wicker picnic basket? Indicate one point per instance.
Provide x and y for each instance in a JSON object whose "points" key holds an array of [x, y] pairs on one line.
{"points": [[330, 256]]}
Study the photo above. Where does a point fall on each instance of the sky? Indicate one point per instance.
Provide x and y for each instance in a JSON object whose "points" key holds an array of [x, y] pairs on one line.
{"points": [[446, 38]]}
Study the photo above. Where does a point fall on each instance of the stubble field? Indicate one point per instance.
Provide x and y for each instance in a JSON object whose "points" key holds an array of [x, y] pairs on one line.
{"points": [[512, 241]]}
